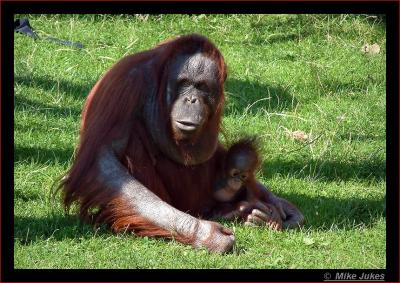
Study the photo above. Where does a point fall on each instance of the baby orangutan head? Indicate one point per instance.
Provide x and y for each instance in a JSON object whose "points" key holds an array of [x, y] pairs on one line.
{"points": [[242, 162]]}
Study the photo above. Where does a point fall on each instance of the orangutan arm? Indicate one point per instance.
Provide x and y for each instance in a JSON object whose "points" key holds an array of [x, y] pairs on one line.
{"points": [[199, 233]]}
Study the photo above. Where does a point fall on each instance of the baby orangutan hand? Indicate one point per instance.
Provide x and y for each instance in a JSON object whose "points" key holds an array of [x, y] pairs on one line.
{"points": [[257, 214], [265, 214]]}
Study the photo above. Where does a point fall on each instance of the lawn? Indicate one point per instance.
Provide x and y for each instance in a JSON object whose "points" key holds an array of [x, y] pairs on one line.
{"points": [[302, 83]]}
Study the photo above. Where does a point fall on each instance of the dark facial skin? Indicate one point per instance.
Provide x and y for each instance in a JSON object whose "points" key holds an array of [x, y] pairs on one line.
{"points": [[241, 166], [192, 94], [192, 98]]}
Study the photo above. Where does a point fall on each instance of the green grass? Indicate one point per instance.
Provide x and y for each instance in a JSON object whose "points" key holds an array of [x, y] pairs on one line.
{"points": [[286, 73]]}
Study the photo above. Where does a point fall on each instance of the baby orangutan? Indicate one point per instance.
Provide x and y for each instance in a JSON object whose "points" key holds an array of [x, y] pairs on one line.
{"points": [[241, 164]]}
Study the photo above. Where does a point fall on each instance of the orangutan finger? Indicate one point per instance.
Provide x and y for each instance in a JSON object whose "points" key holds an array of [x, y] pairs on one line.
{"points": [[281, 211], [261, 214], [255, 220]]}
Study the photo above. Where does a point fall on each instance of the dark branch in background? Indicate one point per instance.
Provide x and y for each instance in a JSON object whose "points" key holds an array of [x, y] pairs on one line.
{"points": [[23, 26]]}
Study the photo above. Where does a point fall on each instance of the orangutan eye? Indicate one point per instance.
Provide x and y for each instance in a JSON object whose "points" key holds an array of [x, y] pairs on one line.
{"points": [[203, 87], [235, 173], [244, 177], [184, 82]]}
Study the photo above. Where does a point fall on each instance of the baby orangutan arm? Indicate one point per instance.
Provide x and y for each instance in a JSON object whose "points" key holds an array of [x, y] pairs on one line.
{"points": [[268, 210], [290, 214]]}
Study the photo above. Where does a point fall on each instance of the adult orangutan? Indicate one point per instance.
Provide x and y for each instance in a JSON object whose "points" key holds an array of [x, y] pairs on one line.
{"points": [[148, 148]]}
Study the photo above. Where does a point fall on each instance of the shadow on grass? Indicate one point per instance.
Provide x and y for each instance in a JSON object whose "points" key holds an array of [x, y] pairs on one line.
{"points": [[332, 86], [242, 95], [27, 195], [371, 169], [324, 213], [273, 38], [29, 229], [78, 91], [48, 84], [40, 107], [42, 155]]}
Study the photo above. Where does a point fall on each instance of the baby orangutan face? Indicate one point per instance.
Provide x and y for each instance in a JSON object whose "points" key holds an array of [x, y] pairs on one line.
{"points": [[241, 167], [240, 171], [241, 164]]}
